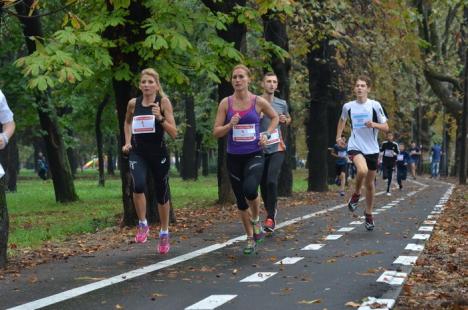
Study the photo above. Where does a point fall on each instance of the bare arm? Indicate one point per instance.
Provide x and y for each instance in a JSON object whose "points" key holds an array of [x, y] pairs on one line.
{"points": [[339, 131], [383, 127], [128, 125], [8, 131], [219, 128], [169, 123], [265, 108]]}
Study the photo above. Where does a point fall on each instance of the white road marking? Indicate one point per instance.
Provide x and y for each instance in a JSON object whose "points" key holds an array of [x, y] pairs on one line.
{"points": [[387, 207], [393, 277], [426, 228], [436, 212], [356, 223], [386, 304], [406, 260], [415, 247], [259, 277], [380, 210], [313, 247], [289, 260], [375, 212], [345, 229], [427, 222], [421, 236], [333, 237], [431, 216], [211, 302]]}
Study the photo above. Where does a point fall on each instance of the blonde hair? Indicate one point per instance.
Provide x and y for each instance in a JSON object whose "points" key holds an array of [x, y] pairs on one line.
{"points": [[151, 72], [243, 67]]}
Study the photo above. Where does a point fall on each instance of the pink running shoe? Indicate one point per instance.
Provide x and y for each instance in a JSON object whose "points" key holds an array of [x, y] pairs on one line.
{"points": [[163, 244], [142, 233]]}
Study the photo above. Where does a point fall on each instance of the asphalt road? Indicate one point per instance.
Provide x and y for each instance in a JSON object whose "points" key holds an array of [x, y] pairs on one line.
{"points": [[320, 257]]}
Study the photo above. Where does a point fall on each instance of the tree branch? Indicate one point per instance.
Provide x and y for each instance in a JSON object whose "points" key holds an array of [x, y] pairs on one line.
{"points": [[444, 78]]}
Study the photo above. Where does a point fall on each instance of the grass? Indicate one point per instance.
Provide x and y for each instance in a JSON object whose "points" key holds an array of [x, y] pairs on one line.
{"points": [[35, 217]]}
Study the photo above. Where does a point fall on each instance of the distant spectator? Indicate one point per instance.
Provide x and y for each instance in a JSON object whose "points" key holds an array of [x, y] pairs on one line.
{"points": [[42, 167], [415, 155], [436, 152]]}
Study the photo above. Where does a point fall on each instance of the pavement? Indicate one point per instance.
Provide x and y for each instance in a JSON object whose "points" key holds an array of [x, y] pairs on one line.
{"points": [[320, 257]]}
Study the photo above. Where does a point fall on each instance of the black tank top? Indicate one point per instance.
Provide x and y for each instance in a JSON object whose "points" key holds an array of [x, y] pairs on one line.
{"points": [[148, 142]]}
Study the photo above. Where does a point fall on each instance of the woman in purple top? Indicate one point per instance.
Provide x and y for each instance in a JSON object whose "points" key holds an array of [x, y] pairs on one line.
{"points": [[238, 117]]}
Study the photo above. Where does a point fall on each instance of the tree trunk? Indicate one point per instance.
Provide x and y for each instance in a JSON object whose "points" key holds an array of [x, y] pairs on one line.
{"points": [[189, 165], [4, 220], [205, 162], [234, 33], [99, 143], [12, 165], [318, 63], [275, 31], [111, 146], [56, 152], [463, 141]]}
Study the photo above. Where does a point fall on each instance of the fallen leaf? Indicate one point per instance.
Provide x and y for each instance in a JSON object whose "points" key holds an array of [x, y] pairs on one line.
{"points": [[352, 304], [309, 302]]}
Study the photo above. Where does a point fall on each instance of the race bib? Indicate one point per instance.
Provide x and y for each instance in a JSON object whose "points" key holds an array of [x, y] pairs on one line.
{"points": [[274, 137], [388, 153], [143, 124], [360, 119], [243, 133], [2, 172], [400, 157], [342, 154]]}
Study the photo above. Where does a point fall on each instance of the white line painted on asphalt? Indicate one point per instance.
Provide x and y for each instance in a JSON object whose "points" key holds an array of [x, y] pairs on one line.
{"points": [[375, 212], [414, 247], [387, 207], [72, 293], [386, 304], [427, 222], [426, 228], [393, 277], [432, 216], [439, 206], [211, 302], [381, 209], [345, 229], [421, 236], [289, 260], [313, 247], [406, 260], [259, 277], [333, 237], [436, 212], [356, 223]]}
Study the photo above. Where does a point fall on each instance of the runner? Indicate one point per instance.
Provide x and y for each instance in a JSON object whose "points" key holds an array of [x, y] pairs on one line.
{"points": [[415, 155], [8, 125], [341, 164], [273, 151], [436, 153], [238, 118], [403, 159], [389, 151], [148, 118], [367, 118]]}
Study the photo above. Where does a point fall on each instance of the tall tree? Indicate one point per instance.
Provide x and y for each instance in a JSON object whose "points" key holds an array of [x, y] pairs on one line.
{"points": [[189, 165], [55, 147]]}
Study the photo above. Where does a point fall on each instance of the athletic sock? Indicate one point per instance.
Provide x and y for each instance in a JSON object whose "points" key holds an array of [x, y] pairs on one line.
{"points": [[144, 222], [164, 232]]}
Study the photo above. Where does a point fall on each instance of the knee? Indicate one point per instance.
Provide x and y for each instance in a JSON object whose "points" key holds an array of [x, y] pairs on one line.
{"points": [[362, 172], [138, 188], [250, 192]]}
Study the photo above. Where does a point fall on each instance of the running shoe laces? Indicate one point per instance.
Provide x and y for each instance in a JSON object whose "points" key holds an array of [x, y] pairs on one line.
{"points": [[142, 233], [269, 225], [163, 244], [369, 222], [258, 232], [353, 202], [250, 246]]}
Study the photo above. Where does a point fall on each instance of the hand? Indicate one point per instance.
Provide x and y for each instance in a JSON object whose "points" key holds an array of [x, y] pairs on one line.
{"points": [[263, 139], [369, 124], [283, 119], [156, 110], [2, 143], [235, 119], [340, 142], [126, 148]]}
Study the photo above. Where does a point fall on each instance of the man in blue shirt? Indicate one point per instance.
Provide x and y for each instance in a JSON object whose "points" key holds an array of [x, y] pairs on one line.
{"points": [[340, 152], [436, 151]]}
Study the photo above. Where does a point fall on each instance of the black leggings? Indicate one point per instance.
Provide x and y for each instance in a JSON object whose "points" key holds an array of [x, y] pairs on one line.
{"points": [[401, 175], [159, 167], [269, 185], [387, 174], [245, 173]]}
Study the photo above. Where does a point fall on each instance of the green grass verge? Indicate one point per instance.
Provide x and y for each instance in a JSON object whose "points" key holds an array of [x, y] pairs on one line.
{"points": [[35, 217]]}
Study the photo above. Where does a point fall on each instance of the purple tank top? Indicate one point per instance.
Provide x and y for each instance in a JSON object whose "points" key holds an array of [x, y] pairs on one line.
{"points": [[244, 137]]}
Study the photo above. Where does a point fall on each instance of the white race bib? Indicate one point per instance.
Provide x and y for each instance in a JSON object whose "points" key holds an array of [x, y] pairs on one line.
{"points": [[388, 153], [360, 119], [400, 157], [143, 124], [243, 133], [2, 172], [342, 154], [274, 137]]}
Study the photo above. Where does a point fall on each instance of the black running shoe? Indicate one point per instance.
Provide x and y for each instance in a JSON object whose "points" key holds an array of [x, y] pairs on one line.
{"points": [[369, 222], [353, 202]]}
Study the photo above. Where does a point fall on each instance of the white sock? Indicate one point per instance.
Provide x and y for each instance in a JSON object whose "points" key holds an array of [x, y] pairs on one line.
{"points": [[144, 222], [164, 232]]}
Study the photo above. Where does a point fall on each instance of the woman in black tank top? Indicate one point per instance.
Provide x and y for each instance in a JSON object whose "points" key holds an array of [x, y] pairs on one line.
{"points": [[148, 118]]}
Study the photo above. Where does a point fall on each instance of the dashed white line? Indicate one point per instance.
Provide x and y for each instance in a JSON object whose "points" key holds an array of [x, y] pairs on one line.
{"points": [[211, 302], [289, 260], [333, 237], [427, 222], [426, 228], [346, 229], [313, 247], [386, 303], [406, 260], [414, 247], [258, 277], [421, 236], [393, 277], [356, 223]]}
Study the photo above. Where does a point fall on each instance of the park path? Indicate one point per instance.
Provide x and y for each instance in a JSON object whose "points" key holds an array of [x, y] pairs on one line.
{"points": [[320, 257]]}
